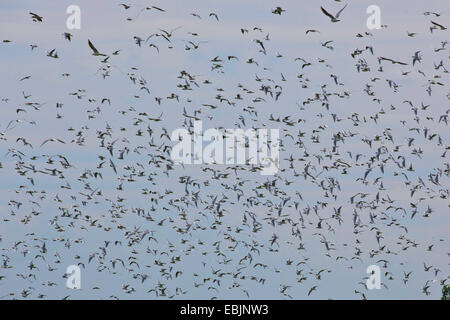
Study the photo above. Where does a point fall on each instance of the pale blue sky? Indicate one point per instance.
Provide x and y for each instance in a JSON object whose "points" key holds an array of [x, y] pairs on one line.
{"points": [[104, 23]]}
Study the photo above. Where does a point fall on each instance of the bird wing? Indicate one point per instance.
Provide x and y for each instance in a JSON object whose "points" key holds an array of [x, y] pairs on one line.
{"points": [[327, 13], [164, 31], [158, 9], [438, 25], [113, 166], [92, 46], [164, 36], [44, 142], [339, 12], [35, 16], [171, 31]]}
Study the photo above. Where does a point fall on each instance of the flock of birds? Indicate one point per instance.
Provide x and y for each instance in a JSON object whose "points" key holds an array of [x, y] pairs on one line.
{"points": [[354, 188]]}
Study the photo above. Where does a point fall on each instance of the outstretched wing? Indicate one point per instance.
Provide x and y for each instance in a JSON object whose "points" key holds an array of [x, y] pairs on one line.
{"points": [[439, 25], [175, 29], [327, 13], [159, 9], [339, 12], [35, 16], [92, 46], [45, 142]]}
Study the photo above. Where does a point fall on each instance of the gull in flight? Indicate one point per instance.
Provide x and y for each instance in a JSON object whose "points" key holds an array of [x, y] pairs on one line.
{"points": [[35, 17], [333, 18], [94, 49], [52, 140]]}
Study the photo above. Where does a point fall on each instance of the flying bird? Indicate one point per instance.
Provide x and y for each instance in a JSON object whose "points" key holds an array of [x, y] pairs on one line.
{"points": [[329, 15], [52, 140], [95, 52], [35, 17]]}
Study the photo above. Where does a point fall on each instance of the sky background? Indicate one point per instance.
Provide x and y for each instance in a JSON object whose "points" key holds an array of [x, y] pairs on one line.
{"points": [[105, 24]]}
